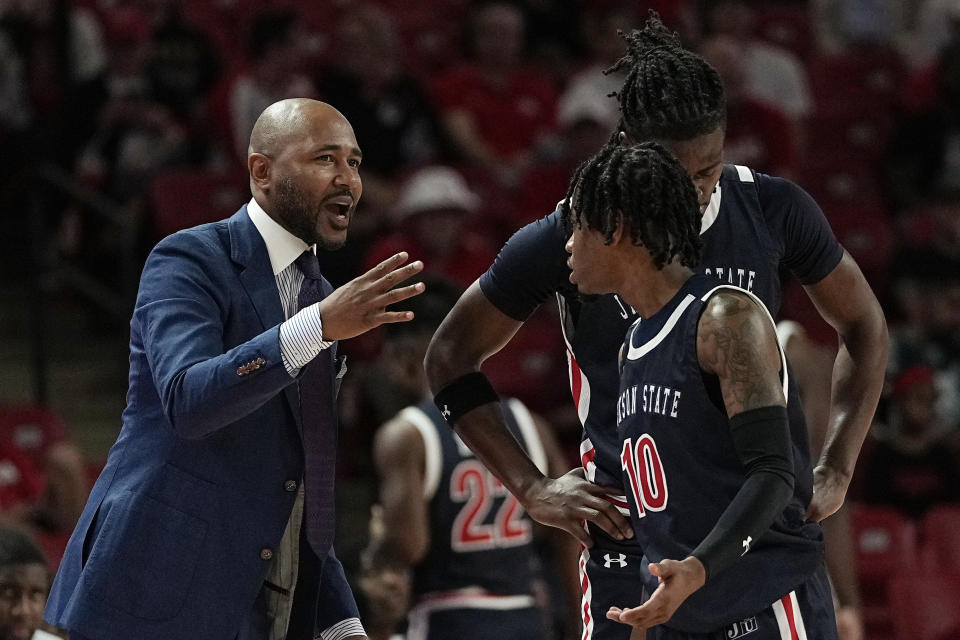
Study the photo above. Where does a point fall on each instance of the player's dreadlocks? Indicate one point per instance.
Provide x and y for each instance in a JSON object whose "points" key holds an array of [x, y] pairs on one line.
{"points": [[669, 93], [646, 188]]}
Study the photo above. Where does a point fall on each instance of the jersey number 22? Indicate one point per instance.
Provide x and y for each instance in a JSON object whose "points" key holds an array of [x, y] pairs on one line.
{"points": [[478, 489]]}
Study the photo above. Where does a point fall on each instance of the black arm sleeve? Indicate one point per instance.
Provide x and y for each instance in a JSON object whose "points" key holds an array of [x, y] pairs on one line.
{"points": [[762, 440], [530, 268]]}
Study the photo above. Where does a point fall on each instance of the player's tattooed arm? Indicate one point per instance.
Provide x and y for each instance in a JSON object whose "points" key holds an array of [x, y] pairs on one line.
{"points": [[737, 343]]}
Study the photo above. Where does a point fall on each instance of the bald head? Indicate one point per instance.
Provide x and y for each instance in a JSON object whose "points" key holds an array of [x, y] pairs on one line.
{"points": [[304, 165], [288, 120]]}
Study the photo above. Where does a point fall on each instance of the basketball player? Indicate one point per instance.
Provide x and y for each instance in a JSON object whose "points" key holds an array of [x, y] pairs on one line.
{"points": [[466, 541], [706, 451], [753, 227]]}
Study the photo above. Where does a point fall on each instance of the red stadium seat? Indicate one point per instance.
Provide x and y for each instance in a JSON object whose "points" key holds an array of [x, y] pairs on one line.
{"points": [[787, 26], [184, 198], [53, 544], [885, 543], [860, 131], [430, 44], [872, 77], [796, 305], [868, 235], [32, 430], [940, 538], [925, 605], [533, 366], [841, 178]]}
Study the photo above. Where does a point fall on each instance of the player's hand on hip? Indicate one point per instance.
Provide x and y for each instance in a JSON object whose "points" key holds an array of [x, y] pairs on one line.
{"points": [[829, 491], [567, 501], [360, 305], [678, 579]]}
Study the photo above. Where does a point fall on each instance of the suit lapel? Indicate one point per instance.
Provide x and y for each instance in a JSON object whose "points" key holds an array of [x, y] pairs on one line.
{"points": [[248, 250]]}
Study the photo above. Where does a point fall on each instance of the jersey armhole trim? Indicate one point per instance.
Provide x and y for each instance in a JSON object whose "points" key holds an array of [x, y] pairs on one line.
{"points": [[531, 436], [432, 451], [744, 173]]}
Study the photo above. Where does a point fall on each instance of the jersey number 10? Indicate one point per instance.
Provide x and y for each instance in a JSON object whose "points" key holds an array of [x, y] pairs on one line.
{"points": [[641, 462]]}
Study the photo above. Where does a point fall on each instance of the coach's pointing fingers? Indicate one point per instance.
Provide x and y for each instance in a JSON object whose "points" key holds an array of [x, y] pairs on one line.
{"points": [[360, 305]]}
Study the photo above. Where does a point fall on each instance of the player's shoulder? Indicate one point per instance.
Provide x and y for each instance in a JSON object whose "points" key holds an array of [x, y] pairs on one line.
{"points": [[776, 195], [738, 174], [728, 310], [726, 301], [547, 229], [538, 243], [401, 435]]}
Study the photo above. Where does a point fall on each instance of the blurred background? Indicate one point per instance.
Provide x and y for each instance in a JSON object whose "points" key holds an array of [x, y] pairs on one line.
{"points": [[122, 121]]}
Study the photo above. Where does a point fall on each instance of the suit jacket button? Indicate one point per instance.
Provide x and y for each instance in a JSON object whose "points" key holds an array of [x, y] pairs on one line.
{"points": [[290, 486], [266, 554]]}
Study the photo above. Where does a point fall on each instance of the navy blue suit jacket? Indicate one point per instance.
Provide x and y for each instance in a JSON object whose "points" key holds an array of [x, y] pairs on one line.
{"points": [[176, 538]]}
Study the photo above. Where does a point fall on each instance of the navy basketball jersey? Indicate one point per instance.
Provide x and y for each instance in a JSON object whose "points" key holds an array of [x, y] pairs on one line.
{"points": [[480, 536], [755, 227], [681, 469]]}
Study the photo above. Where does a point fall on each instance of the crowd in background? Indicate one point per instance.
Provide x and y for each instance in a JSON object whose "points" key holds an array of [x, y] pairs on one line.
{"points": [[471, 117]]}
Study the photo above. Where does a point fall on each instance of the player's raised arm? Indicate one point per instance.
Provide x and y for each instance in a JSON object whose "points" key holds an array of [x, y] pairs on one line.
{"points": [[473, 331]]}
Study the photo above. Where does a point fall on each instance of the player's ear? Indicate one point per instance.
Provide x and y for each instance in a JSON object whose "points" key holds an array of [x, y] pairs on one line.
{"points": [[619, 232]]}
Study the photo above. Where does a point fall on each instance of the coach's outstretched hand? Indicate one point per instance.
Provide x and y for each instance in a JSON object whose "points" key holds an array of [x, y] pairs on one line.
{"points": [[360, 305], [567, 501], [678, 579]]}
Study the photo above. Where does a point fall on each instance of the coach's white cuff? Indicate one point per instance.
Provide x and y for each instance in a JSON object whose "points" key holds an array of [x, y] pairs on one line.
{"points": [[343, 629], [301, 339]]}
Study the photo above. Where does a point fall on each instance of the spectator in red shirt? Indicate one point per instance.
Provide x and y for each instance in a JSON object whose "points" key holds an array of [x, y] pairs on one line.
{"points": [[759, 135], [494, 108], [433, 218], [21, 485], [914, 464], [52, 471], [373, 88], [586, 117]]}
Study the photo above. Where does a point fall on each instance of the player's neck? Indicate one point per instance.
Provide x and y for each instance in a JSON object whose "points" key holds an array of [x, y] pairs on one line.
{"points": [[649, 293]]}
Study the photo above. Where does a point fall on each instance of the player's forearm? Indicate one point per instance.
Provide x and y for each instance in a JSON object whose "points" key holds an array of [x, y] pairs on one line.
{"points": [[857, 382], [473, 331], [482, 428], [761, 438], [761, 498], [485, 431], [841, 557]]}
